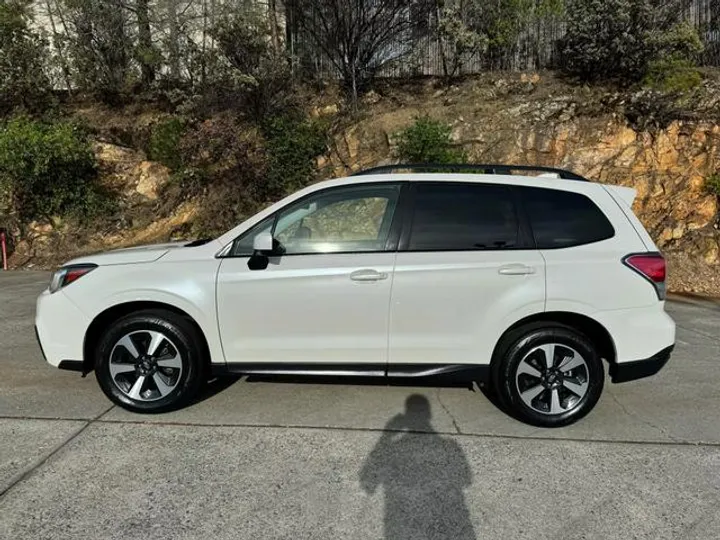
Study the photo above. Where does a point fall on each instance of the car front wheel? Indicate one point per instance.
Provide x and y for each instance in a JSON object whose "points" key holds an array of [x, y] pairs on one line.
{"points": [[548, 376], [149, 361]]}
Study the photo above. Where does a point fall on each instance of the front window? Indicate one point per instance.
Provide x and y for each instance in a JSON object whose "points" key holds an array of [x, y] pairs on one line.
{"points": [[337, 220]]}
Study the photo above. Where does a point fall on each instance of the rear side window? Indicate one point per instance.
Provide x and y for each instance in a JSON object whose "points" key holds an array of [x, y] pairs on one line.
{"points": [[562, 219], [460, 217]]}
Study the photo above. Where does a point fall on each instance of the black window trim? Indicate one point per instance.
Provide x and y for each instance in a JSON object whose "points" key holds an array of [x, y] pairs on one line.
{"points": [[393, 236], [522, 192], [525, 239]]}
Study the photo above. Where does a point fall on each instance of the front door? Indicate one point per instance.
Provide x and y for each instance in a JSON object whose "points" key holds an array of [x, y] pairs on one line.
{"points": [[466, 269], [323, 297]]}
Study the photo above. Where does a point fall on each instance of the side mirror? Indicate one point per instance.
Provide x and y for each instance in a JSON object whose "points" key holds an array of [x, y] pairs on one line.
{"points": [[263, 243]]}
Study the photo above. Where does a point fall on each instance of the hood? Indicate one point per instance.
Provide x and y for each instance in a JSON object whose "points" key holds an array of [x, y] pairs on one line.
{"points": [[137, 254]]}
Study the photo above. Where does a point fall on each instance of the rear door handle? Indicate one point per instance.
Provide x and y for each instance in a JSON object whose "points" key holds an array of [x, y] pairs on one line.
{"points": [[516, 270], [368, 274]]}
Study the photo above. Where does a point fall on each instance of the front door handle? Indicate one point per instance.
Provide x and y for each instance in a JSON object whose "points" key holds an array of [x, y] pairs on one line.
{"points": [[368, 275], [516, 270]]}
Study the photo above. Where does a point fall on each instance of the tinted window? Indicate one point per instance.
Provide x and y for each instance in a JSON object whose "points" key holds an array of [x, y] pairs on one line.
{"points": [[563, 219], [455, 217]]}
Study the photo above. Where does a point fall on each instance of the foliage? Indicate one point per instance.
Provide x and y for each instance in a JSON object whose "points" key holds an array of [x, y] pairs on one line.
{"points": [[360, 37], [469, 29], [459, 40], [99, 46], [292, 147], [165, 141], [23, 80], [428, 141], [672, 75], [223, 166], [48, 169], [258, 73], [619, 39], [712, 184]]}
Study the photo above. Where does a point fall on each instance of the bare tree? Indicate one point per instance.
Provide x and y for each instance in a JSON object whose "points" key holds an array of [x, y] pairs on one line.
{"points": [[359, 37]]}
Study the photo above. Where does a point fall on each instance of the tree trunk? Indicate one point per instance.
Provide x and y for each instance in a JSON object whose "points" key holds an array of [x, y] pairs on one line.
{"points": [[174, 40], [58, 48], [272, 8], [145, 42]]}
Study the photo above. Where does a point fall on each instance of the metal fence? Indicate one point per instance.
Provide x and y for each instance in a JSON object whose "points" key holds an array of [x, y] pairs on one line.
{"points": [[537, 47]]}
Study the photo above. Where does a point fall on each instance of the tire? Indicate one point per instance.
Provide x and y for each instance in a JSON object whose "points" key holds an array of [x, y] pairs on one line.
{"points": [[542, 396], [172, 375]]}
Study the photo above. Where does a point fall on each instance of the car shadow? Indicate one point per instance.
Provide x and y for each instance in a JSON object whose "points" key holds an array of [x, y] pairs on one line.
{"points": [[219, 384], [422, 475], [214, 386]]}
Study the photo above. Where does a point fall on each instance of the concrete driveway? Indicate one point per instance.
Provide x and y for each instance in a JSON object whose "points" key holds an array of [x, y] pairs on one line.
{"points": [[284, 459]]}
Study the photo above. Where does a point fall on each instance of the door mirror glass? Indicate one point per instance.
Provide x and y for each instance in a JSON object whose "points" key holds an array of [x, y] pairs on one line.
{"points": [[263, 242]]}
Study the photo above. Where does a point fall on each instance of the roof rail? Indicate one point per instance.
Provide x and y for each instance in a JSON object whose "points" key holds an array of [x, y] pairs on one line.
{"points": [[481, 168]]}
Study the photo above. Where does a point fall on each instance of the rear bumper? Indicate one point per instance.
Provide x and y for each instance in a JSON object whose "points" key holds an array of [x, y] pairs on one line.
{"points": [[638, 369]]}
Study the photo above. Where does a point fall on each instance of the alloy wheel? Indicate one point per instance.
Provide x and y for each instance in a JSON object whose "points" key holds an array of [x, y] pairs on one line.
{"points": [[145, 365], [552, 378]]}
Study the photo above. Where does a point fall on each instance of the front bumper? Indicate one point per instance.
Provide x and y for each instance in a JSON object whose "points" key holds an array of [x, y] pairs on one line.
{"points": [[60, 328], [638, 369]]}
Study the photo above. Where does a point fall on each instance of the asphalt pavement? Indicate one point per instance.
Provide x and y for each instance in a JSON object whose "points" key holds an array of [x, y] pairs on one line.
{"points": [[329, 459]]}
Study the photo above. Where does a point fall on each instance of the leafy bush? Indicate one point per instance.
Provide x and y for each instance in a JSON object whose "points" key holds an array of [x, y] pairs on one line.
{"points": [[165, 141], [428, 141], [258, 75], [672, 75], [48, 169], [23, 81], [222, 167], [712, 184], [292, 147], [619, 39], [234, 169]]}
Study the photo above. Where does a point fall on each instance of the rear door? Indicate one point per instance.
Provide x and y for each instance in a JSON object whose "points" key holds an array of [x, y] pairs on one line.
{"points": [[466, 269]]}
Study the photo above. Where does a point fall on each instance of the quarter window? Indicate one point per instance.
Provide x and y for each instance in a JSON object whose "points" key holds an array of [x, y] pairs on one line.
{"points": [[459, 217], [562, 219]]}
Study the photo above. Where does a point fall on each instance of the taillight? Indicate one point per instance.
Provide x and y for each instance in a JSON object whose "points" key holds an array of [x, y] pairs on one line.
{"points": [[651, 266], [66, 275]]}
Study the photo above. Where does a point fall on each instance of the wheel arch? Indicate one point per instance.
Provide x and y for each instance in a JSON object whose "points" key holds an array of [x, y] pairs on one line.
{"points": [[108, 316], [591, 328]]}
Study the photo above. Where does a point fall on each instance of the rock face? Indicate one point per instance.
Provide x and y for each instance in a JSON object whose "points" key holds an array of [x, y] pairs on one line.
{"points": [[128, 170], [667, 166], [139, 183]]}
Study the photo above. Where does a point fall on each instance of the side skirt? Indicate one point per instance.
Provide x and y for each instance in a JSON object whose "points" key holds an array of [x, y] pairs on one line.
{"points": [[469, 371]]}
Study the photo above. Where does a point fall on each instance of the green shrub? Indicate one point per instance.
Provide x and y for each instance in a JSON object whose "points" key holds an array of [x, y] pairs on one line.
{"points": [[23, 78], [48, 169], [619, 39], [672, 75], [712, 184], [165, 142], [292, 146], [428, 141]]}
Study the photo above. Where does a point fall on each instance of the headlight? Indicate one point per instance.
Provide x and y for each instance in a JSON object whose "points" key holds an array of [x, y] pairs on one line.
{"points": [[67, 274]]}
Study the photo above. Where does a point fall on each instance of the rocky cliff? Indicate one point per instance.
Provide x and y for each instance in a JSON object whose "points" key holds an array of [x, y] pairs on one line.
{"points": [[523, 121], [663, 148]]}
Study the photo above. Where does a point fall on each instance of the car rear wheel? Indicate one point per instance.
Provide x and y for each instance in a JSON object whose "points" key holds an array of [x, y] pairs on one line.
{"points": [[149, 361], [548, 376]]}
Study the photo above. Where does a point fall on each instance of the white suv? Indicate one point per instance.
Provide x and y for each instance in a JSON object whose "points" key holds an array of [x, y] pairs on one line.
{"points": [[526, 282]]}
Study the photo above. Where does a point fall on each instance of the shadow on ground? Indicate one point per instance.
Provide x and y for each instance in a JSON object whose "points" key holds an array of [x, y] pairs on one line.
{"points": [[423, 477]]}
